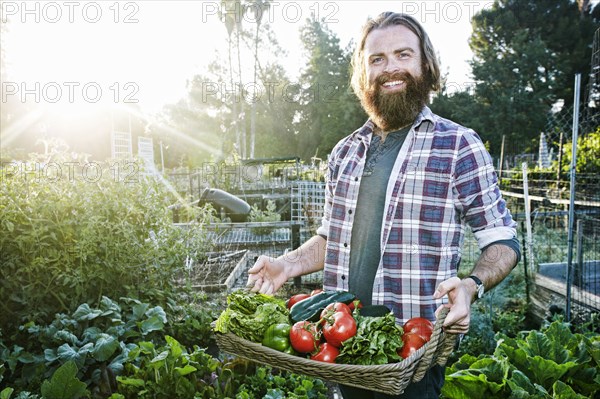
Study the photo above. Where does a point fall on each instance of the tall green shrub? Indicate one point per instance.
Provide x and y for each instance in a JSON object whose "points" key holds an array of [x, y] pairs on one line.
{"points": [[72, 232], [588, 154]]}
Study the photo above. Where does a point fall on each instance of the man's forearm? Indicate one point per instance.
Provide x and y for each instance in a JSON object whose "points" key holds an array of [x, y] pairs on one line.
{"points": [[495, 263], [308, 258]]}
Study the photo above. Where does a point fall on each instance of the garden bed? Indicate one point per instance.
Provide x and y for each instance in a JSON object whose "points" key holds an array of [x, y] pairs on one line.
{"points": [[548, 295]]}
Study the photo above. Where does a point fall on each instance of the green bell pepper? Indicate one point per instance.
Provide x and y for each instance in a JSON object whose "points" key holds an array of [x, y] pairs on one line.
{"points": [[277, 336]]}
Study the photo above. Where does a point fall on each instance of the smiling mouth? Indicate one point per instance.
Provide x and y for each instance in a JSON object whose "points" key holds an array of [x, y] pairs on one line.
{"points": [[393, 84]]}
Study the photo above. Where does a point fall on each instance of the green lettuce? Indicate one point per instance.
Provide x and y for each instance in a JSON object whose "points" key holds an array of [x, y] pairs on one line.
{"points": [[249, 315], [549, 364]]}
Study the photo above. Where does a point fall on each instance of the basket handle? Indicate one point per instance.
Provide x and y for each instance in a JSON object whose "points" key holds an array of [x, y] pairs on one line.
{"points": [[438, 349]]}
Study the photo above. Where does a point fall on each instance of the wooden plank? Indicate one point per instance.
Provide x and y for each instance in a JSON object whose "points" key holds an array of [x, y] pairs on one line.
{"points": [[239, 269], [577, 293], [552, 200], [547, 292]]}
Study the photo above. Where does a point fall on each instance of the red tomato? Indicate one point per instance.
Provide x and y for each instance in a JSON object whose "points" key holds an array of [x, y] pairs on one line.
{"points": [[355, 304], [334, 308], [412, 342], [339, 328], [295, 299], [326, 353], [304, 336], [419, 325], [315, 292]]}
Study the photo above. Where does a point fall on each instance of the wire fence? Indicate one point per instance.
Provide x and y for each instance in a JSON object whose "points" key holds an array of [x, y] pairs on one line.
{"points": [[550, 146]]}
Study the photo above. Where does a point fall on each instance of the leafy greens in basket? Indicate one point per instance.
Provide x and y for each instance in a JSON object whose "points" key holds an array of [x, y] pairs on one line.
{"points": [[377, 341], [249, 315]]}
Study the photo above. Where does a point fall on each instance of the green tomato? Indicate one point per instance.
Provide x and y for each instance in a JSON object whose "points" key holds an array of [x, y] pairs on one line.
{"points": [[277, 337]]}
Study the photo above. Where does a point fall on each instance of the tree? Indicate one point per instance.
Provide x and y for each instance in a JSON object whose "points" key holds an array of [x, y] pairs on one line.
{"points": [[330, 110], [232, 19], [196, 128], [526, 53], [258, 7]]}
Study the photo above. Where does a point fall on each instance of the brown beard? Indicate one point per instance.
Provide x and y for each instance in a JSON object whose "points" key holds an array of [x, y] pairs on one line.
{"points": [[392, 111]]}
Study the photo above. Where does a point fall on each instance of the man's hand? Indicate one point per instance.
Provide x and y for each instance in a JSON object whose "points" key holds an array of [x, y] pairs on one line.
{"points": [[267, 275], [460, 296], [494, 264]]}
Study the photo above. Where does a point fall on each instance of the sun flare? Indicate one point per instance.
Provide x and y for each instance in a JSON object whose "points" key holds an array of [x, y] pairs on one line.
{"points": [[70, 58]]}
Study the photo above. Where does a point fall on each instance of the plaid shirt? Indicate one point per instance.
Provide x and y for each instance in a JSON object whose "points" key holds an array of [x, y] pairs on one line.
{"points": [[443, 179]]}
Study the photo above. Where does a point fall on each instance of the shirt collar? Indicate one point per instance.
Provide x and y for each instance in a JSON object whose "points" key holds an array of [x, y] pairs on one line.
{"points": [[425, 115]]}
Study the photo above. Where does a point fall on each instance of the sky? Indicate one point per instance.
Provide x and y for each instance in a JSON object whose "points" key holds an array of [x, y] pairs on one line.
{"points": [[87, 52]]}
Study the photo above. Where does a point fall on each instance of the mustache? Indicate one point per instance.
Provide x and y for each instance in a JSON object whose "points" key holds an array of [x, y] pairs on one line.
{"points": [[390, 77]]}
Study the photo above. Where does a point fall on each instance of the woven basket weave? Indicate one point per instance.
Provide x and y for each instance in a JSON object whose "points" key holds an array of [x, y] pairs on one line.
{"points": [[391, 379]]}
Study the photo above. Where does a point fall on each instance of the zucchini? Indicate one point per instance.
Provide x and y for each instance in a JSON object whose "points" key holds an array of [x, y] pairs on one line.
{"points": [[311, 308]]}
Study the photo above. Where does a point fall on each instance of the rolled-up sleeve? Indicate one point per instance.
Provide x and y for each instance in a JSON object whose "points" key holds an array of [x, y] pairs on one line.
{"points": [[476, 183]]}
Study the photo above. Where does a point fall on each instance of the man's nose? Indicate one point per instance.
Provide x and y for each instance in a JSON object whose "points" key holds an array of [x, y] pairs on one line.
{"points": [[392, 65]]}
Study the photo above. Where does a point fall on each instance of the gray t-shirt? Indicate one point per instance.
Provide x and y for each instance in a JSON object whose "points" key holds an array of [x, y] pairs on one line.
{"points": [[366, 231]]}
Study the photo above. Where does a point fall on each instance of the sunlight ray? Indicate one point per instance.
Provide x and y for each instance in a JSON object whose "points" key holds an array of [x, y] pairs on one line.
{"points": [[20, 125]]}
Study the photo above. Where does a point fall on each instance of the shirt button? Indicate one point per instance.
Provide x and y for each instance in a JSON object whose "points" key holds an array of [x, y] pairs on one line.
{"points": [[345, 244], [343, 277], [350, 211], [356, 179]]}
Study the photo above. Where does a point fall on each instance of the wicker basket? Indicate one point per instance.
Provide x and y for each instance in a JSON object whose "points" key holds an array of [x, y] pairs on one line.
{"points": [[390, 378]]}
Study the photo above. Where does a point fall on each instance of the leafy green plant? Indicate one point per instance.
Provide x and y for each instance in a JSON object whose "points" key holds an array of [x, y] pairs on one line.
{"points": [[170, 371], [64, 384], [267, 383], [588, 159], [97, 340], [74, 237], [189, 323], [551, 363], [268, 215]]}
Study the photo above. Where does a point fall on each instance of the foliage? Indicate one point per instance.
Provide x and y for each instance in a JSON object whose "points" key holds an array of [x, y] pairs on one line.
{"points": [[169, 371], [121, 351], [64, 384], [522, 65], [189, 323], [551, 363], [268, 383], [501, 310], [588, 154], [330, 110], [97, 339], [70, 237], [268, 215]]}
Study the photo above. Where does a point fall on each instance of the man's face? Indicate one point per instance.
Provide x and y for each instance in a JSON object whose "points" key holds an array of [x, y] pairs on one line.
{"points": [[396, 91]]}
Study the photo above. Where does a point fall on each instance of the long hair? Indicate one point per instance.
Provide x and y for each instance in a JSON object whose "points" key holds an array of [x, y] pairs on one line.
{"points": [[430, 64]]}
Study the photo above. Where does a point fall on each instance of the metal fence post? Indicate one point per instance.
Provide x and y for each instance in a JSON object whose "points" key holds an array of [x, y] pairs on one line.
{"points": [[572, 200], [525, 269], [528, 214]]}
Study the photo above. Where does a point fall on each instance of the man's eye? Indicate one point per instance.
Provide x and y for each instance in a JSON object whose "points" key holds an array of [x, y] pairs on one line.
{"points": [[376, 60]]}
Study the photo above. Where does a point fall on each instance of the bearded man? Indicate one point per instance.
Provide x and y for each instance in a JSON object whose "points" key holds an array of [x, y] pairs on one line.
{"points": [[400, 191]]}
